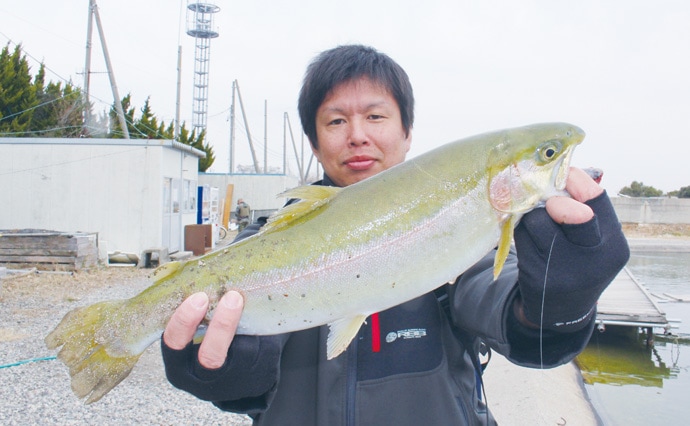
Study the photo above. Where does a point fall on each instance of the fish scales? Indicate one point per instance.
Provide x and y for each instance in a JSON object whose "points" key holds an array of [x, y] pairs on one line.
{"points": [[339, 255], [354, 275]]}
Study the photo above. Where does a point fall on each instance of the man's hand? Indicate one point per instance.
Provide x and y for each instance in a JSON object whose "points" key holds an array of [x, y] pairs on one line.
{"points": [[567, 254], [220, 333], [217, 370], [566, 210]]}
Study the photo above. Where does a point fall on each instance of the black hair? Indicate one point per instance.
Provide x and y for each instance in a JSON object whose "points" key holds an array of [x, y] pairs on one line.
{"points": [[346, 63]]}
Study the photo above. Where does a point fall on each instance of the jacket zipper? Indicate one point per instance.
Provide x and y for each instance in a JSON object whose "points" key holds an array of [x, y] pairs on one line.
{"points": [[351, 391]]}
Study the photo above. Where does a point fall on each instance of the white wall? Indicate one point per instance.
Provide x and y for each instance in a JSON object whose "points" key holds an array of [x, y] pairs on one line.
{"points": [[652, 209]]}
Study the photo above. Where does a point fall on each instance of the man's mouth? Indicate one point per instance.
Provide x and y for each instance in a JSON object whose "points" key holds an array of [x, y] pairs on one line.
{"points": [[359, 163]]}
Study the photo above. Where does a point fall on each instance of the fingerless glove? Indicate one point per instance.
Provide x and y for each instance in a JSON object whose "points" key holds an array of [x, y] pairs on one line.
{"points": [[250, 370], [563, 269]]}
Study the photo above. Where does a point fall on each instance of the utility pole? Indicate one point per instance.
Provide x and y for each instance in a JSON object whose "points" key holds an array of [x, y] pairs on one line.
{"points": [[87, 67], [177, 96], [93, 13], [246, 128]]}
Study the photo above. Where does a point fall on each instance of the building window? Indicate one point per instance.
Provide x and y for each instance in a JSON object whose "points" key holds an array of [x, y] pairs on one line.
{"points": [[189, 193], [167, 189]]}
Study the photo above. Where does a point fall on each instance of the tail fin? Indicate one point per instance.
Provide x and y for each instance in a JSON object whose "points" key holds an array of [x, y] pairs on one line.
{"points": [[91, 349]]}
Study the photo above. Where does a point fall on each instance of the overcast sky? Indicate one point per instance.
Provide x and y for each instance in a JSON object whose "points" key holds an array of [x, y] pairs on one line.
{"points": [[619, 69]]}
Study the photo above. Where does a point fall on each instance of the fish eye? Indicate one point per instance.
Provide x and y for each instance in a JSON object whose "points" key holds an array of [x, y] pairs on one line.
{"points": [[548, 151]]}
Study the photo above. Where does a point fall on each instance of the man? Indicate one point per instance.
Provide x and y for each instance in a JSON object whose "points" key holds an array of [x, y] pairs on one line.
{"points": [[242, 212], [356, 107]]}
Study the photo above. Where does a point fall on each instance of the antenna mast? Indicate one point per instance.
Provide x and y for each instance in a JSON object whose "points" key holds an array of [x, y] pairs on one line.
{"points": [[200, 26]]}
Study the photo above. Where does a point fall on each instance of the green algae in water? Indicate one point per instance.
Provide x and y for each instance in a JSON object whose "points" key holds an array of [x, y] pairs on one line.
{"points": [[622, 357]]}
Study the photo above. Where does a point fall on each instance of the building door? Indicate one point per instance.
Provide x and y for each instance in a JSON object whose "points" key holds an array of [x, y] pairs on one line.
{"points": [[172, 215]]}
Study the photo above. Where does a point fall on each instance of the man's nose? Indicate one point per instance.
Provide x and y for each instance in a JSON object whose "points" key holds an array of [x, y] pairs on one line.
{"points": [[358, 134]]}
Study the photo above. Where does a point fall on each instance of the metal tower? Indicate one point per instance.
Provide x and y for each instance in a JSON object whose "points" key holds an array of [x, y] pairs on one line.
{"points": [[200, 26]]}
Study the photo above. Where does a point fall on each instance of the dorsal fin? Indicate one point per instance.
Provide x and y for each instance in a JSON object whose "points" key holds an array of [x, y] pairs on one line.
{"points": [[311, 198]]}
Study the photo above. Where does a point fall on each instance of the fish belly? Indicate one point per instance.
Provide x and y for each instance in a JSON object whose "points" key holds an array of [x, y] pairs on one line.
{"points": [[374, 276]]}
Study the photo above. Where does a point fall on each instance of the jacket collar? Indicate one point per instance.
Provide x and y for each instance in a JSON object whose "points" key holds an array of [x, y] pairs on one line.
{"points": [[326, 181]]}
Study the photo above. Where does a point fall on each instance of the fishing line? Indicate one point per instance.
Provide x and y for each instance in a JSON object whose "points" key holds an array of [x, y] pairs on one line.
{"points": [[26, 361], [543, 299], [541, 317]]}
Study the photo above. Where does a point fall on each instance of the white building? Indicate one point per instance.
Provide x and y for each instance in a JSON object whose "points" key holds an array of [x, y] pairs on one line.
{"points": [[136, 194]]}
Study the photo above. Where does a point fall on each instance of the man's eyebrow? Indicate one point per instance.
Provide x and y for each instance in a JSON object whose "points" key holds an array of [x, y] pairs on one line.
{"points": [[369, 106]]}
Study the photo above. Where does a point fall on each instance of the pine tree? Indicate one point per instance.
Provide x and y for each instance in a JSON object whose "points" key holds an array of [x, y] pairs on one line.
{"points": [[17, 93], [198, 143], [60, 112], [147, 125]]}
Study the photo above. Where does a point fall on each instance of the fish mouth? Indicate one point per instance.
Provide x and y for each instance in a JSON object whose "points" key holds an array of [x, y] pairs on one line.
{"points": [[560, 178], [574, 137]]}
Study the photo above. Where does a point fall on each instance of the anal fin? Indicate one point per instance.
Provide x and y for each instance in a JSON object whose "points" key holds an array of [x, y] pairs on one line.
{"points": [[341, 334]]}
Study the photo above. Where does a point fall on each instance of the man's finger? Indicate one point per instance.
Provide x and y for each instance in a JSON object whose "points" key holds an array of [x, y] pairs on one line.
{"points": [[185, 320], [221, 330], [581, 186], [566, 210]]}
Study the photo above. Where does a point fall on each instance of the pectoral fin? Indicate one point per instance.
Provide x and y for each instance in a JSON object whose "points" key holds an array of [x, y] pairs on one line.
{"points": [[341, 334], [504, 244]]}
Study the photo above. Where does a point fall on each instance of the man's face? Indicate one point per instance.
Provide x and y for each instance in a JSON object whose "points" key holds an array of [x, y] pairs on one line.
{"points": [[359, 132]]}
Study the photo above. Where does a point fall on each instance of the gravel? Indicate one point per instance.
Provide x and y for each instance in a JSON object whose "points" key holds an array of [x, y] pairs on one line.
{"points": [[36, 390]]}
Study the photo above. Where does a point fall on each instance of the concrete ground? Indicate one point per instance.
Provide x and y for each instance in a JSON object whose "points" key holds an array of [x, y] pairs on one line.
{"points": [[523, 396]]}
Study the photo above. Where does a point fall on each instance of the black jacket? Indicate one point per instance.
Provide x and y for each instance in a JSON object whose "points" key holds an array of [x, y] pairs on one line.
{"points": [[413, 364]]}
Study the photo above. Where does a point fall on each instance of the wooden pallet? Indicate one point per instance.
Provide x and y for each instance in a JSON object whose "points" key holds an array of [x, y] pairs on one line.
{"points": [[48, 250]]}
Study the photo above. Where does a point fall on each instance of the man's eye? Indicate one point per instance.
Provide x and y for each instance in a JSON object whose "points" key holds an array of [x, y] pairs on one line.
{"points": [[336, 121]]}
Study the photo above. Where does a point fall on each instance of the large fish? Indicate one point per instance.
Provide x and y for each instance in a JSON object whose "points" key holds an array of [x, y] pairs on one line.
{"points": [[340, 254]]}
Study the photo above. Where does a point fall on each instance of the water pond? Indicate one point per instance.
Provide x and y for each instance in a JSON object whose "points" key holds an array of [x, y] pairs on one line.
{"points": [[633, 384]]}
